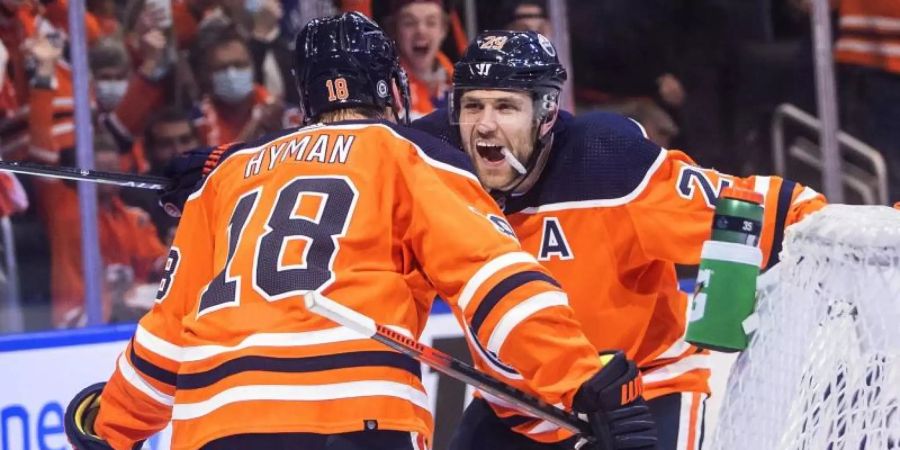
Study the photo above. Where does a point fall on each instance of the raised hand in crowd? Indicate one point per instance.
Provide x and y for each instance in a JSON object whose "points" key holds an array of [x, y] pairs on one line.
{"points": [[670, 89], [44, 53], [265, 15], [151, 40]]}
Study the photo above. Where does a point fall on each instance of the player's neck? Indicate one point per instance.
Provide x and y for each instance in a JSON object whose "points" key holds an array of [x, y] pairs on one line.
{"points": [[341, 115]]}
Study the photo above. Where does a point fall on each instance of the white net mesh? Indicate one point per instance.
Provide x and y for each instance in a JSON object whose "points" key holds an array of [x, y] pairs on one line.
{"points": [[822, 371]]}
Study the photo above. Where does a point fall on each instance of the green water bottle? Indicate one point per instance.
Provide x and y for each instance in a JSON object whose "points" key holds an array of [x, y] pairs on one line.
{"points": [[725, 294]]}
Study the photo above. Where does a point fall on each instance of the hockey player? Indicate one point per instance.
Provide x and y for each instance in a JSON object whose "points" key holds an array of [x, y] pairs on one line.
{"points": [[608, 213], [344, 206]]}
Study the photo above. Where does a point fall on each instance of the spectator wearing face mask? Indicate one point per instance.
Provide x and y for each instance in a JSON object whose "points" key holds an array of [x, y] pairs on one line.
{"points": [[110, 68], [419, 27], [232, 107], [127, 93], [168, 134]]}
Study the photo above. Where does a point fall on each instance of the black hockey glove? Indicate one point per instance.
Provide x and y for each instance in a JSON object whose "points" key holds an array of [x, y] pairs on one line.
{"points": [[79, 421], [187, 171], [615, 408]]}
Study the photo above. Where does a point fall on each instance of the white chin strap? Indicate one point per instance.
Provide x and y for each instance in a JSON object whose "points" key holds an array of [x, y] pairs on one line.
{"points": [[515, 163]]}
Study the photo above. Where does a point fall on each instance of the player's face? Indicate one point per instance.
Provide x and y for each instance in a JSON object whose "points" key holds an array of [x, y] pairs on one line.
{"points": [[420, 30], [491, 121]]}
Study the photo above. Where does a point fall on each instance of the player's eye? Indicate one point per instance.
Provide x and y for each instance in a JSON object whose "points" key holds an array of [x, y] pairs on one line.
{"points": [[507, 107], [471, 106]]}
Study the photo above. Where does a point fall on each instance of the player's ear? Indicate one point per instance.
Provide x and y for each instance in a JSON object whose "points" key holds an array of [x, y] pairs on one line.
{"points": [[548, 123]]}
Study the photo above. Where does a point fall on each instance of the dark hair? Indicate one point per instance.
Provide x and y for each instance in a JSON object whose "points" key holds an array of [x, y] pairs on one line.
{"points": [[208, 39], [166, 115], [108, 52], [508, 10]]}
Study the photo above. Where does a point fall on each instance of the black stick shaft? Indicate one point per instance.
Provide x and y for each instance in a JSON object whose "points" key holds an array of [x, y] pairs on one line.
{"points": [[446, 364], [459, 370], [94, 176]]}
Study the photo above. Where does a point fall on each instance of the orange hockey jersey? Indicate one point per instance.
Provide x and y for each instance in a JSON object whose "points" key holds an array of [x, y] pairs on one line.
{"points": [[610, 216], [358, 211]]}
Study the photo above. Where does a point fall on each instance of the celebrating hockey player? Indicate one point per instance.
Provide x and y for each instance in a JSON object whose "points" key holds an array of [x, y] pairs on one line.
{"points": [[345, 206], [608, 213]]}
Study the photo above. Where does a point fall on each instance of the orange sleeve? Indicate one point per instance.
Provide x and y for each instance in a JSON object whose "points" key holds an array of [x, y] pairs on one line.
{"points": [[148, 251], [516, 318], [42, 146], [673, 215], [141, 98], [137, 401], [48, 134]]}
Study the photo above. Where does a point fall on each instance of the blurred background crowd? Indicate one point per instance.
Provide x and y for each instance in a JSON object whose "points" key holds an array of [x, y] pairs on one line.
{"points": [[166, 76]]}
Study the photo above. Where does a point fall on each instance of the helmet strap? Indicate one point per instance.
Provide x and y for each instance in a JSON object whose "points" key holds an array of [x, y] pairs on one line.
{"points": [[542, 145]]}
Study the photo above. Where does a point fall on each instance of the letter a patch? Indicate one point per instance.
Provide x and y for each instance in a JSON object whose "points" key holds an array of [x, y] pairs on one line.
{"points": [[553, 241]]}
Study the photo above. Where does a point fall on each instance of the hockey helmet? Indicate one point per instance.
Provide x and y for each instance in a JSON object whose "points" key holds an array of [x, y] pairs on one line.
{"points": [[510, 60], [346, 61]]}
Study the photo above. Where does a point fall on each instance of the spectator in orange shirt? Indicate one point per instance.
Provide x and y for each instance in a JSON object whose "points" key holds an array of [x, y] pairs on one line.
{"points": [[132, 254], [419, 27], [233, 107]]}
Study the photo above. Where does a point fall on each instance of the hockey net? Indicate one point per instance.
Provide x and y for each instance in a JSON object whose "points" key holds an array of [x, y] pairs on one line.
{"points": [[822, 371]]}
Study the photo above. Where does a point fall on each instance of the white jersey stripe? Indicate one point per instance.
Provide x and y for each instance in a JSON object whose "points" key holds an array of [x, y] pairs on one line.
{"points": [[517, 314], [684, 420], [761, 185], [303, 393], [179, 354], [138, 382], [881, 23], [676, 369], [486, 271], [806, 194], [543, 427]]}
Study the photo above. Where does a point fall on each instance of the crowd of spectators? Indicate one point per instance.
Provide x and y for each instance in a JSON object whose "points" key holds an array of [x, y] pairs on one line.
{"points": [[170, 75]]}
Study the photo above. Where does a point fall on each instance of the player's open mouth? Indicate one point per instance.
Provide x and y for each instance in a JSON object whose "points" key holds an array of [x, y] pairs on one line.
{"points": [[420, 49], [490, 152]]}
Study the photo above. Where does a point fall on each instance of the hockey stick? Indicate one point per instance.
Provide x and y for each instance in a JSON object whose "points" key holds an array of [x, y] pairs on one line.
{"points": [[446, 364], [95, 176]]}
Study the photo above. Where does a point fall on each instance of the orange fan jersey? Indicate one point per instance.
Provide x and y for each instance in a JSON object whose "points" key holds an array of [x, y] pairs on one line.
{"points": [[422, 100], [126, 236], [610, 216], [362, 212]]}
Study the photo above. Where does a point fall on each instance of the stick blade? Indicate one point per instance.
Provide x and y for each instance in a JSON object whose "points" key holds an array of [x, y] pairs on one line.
{"points": [[336, 312]]}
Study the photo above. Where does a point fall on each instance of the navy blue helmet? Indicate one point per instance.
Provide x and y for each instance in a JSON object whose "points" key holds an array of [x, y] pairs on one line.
{"points": [[346, 61], [510, 60], [514, 61]]}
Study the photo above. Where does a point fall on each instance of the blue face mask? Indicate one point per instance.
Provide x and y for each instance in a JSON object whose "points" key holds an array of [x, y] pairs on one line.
{"points": [[232, 85], [109, 93]]}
